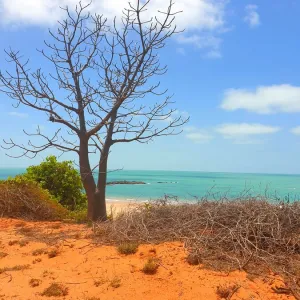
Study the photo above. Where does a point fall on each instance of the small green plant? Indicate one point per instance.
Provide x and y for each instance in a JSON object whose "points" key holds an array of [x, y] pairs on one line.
{"points": [[128, 248], [34, 282], [115, 282], [56, 290], [151, 266], [15, 268]]}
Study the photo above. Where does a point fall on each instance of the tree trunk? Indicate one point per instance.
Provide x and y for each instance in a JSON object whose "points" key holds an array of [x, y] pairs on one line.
{"points": [[87, 176], [100, 195]]}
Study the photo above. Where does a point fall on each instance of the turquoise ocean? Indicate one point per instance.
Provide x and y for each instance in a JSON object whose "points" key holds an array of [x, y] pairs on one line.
{"points": [[192, 185]]}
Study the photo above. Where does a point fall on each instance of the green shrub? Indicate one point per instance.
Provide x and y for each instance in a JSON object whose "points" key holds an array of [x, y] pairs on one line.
{"points": [[23, 198], [61, 179]]}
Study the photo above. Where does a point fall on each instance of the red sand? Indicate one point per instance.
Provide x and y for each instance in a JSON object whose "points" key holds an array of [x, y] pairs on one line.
{"points": [[88, 269]]}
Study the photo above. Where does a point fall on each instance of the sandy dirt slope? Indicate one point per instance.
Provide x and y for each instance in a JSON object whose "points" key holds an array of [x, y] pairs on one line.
{"points": [[89, 271]]}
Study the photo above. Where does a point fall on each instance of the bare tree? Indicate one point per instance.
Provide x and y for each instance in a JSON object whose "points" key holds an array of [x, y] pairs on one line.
{"points": [[102, 74]]}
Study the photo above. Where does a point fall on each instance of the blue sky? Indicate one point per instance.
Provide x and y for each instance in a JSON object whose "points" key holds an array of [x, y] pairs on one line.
{"points": [[234, 71]]}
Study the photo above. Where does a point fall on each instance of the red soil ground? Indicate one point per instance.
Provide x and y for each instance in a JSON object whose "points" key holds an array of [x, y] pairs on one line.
{"points": [[89, 270]]}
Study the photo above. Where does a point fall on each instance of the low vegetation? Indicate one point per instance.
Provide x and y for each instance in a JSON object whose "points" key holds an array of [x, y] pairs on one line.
{"points": [[34, 282], [56, 290], [251, 234], [14, 268], [227, 291], [115, 282], [151, 266], [24, 198], [62, 181], [128, 248]]}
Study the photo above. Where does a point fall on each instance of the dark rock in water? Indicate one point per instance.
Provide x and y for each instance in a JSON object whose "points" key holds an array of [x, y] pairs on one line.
{"points": [[125, 182]]}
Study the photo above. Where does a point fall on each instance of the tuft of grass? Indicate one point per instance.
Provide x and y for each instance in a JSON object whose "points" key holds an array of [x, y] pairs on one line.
{"points": [[26, 231], [56, 226], [227, 291], [20, 224], [53, 253], [97, 283], [15, 268], [39, 251], [3, 254], [193, 259], [37, 260], [12, 243], [55, 290], [34, 282], [151, 266], [23, 243], [128, 248], [115, 282]]}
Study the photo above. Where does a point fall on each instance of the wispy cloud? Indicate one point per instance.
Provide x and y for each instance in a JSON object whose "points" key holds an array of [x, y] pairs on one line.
{"points": [[17, 114], [252, 17], [196, 135], [202, 20], [243, 133], [295, 130], [264, 99]]}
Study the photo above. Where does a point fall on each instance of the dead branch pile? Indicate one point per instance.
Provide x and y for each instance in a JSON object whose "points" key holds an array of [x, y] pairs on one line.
{"points": [[224, 234]]}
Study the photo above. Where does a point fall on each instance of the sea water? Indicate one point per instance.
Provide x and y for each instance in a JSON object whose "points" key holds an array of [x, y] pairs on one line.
{"points": [[194, 185]]}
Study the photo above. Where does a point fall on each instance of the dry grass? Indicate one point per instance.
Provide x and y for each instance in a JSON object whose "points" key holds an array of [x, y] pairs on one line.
{"points": [[128, 248], [21, 243], [34, 282], [27, 200], [151, 266], [15, 268], [39, 251], [53, 253], [55, 290], [115, 282], [246, 234], [227, 291], [3, 254]]}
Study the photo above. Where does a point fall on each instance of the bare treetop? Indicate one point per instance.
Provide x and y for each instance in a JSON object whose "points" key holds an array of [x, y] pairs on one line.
{"points": [[103, 86]]}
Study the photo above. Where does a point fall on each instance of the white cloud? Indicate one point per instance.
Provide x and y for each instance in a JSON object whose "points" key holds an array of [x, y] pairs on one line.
{"points": [[196, 135], [17, 114], [252, 17], [296, 130], [242, 133], [264, 100], [203, 20]]}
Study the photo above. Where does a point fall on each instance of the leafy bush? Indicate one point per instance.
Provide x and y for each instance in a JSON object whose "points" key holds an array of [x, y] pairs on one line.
{"points": [[24, 198], [61, 179]]}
